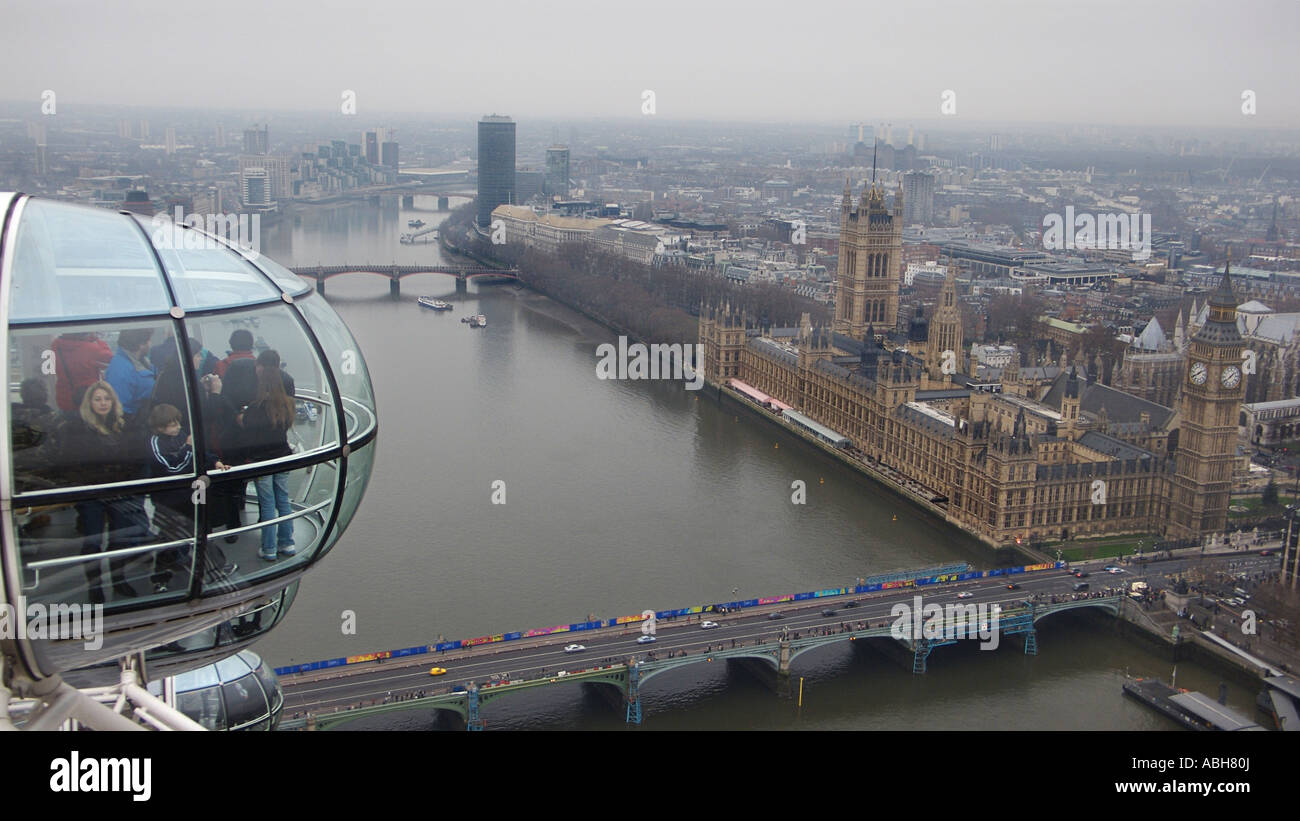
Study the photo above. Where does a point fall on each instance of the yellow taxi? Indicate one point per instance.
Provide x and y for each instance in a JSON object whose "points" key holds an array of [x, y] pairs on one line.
{"points": [[438, 671]]}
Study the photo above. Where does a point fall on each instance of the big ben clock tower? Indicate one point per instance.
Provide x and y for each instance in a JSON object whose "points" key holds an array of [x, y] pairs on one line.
{"points": [[1207, 438]]}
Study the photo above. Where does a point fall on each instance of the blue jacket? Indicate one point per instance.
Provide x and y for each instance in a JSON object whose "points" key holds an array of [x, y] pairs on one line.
{"points": [[133, 386]]}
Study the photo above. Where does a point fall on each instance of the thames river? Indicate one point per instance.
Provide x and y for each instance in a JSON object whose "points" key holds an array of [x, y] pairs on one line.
{"points": [[626, 495]]}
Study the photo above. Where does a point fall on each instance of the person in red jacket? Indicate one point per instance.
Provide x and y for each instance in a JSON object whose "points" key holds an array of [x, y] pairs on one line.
{"points": [[79, 361], [241, 347]]}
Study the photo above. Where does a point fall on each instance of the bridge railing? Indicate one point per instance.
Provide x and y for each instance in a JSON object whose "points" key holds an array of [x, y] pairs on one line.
{"points": [[621, 621]]}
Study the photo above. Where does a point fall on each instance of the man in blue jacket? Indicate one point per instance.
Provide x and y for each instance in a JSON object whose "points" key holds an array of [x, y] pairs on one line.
{"points": [[130, 372]]}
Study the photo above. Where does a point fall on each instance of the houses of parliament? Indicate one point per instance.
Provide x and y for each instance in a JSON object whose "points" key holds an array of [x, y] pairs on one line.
{"points": [[1054, 455]]}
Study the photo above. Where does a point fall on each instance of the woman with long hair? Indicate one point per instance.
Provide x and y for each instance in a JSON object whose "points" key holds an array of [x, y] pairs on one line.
{"points": [[266, 424], [96, 449]]}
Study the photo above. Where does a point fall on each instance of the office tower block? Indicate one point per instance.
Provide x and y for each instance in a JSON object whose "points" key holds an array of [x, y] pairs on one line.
{"points": [[496, 165]]}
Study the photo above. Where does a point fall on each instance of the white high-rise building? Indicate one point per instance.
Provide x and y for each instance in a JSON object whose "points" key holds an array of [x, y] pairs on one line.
{"points": [[277, 172], [255, 188], [918, 198]]}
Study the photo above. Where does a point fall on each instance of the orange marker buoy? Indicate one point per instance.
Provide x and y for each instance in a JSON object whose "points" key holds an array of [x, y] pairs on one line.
{"points": [[821, 481], [896, 517], [776, 445]]}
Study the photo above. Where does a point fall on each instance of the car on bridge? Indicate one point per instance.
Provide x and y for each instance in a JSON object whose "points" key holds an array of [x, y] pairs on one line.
{"points": [[830, 611], [1113, 569], [1081, 574], [965, 594], [646, 639], [575, 648], [438, 671], [708, 625], [1013, 586], [775, 616], [852, 604]]}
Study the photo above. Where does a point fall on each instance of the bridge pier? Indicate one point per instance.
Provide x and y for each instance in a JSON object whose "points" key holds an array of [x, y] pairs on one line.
{"points": [[634, 694], [408, 200], [1031, 643], [911, 653], [472, 721], [921, 650], [1021, 623], [320, 283], [395, 288], [462, 285], [444, 203]]}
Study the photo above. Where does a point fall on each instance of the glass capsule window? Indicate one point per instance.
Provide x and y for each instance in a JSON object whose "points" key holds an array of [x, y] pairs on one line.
{"points": [[209, 275], [81, 263], [289, 282], [236, 693], [85, 398], [260, 424]]}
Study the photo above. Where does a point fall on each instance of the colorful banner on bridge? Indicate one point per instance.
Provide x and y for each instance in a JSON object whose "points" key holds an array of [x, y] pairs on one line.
{"points": [[546, 631], [382, 654], [482, 640], [664, 614]]}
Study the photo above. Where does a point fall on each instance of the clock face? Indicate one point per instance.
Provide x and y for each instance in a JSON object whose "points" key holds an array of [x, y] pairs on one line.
{"points": [[1231, 376], [1198, 373]]}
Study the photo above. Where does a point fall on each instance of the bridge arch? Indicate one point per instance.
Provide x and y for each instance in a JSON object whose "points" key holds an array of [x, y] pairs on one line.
{"points": [[492, 694], [329, 721], [800, 646], [666, 665], [1110, 604]]}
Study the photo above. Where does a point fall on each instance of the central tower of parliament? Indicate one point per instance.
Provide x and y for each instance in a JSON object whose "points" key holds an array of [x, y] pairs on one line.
{"points": [[871, 247], [1056, 455]]}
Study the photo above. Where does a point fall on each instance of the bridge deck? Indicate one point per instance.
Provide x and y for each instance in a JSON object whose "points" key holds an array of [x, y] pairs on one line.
{"points": [[778, 651]]}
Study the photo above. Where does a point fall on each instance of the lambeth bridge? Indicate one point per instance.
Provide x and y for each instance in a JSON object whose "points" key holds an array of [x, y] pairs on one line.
{"points": [[763, 636], [395, 273]]}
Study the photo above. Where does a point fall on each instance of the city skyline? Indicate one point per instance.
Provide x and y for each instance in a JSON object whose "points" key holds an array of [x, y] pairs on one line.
{"points": [[1153, 65]]}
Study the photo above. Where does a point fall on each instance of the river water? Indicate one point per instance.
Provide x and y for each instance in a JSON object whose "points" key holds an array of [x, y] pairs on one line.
{"points": [[627, 495]]}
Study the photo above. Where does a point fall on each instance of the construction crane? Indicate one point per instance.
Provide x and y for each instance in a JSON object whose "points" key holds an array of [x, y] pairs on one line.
{"points": [[1224, 176]]}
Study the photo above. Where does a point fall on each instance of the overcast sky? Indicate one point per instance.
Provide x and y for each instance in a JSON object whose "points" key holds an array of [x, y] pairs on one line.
{"points": [[1142, 62]]}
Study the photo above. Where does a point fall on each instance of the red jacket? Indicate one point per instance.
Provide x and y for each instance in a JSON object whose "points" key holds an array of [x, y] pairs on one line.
{"points": [[231, 357], [79, 362]]}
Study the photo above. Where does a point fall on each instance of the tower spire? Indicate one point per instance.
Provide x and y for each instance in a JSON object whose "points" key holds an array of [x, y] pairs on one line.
{"points": [[1223, 295]]}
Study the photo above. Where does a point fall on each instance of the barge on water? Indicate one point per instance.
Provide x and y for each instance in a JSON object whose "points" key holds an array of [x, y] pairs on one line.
{"points": [[1195, 711]]}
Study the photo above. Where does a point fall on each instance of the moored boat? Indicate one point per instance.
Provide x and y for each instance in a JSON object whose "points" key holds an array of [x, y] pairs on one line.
{"points": [[435, 304]]}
